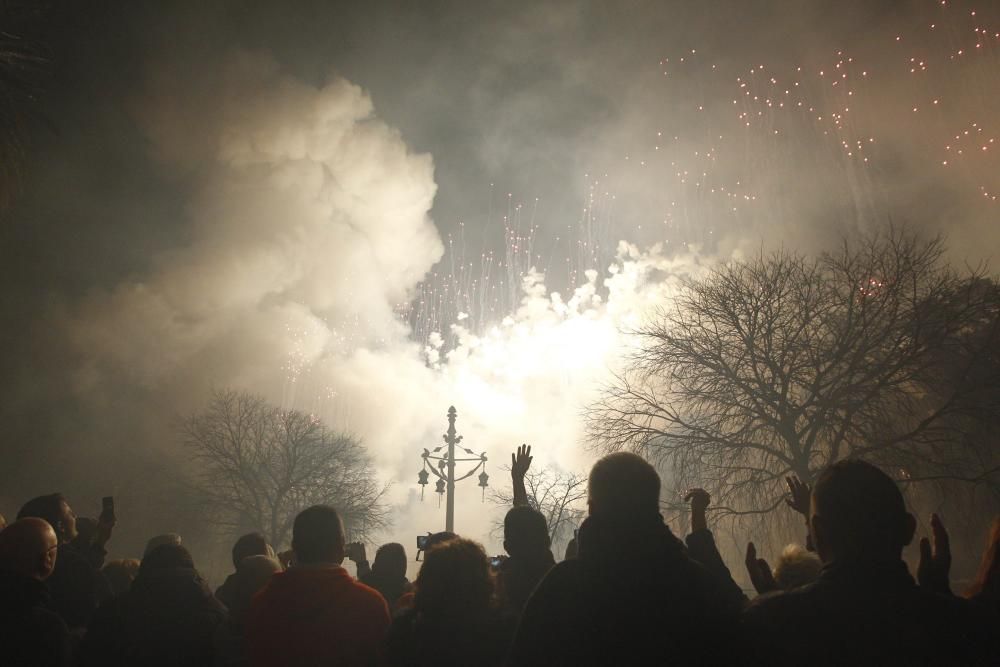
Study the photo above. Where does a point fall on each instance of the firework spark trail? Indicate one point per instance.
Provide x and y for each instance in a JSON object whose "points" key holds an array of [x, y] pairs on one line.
{"points": [[739, 148]]}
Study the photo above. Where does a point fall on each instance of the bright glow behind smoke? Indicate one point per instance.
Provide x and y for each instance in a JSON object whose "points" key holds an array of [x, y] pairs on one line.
{"points": [[309, 223]]}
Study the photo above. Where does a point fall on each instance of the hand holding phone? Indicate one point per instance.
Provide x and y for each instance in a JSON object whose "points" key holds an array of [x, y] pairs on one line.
{"points": [[105, 522], [108, 508], [356, 552]]}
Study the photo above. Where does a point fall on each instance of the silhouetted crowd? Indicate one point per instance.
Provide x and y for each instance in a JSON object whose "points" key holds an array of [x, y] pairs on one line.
{"points": [[629, 592]]}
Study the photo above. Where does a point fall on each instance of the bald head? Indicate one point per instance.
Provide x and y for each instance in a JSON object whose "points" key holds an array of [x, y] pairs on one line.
{"points": [[28, 546]]}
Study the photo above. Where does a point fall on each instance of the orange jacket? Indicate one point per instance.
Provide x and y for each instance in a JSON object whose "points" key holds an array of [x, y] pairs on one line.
{"points": [[316, 615]]}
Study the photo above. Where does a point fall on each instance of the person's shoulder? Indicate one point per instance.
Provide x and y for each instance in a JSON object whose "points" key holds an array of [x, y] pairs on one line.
{"points": [[779, 603], [565, 572], [558, 586], [371, 599], [263, 601]]}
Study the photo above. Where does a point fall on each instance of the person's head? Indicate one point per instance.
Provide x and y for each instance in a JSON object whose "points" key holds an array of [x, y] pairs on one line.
{"points": [[455, 580], [858, 513], [120, 574], [159, 541], [390, 561], [796, 567], [56, 511], [623, 486], [3, 522], [318, 536], [988, 579], [29, 547], [438, 538], [252, 575], [525, 532], [166, 557], [251, 544]]}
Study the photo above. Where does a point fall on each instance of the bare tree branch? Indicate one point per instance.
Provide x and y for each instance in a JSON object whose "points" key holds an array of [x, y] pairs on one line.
{"points": [[784, 363], [259, 466]]}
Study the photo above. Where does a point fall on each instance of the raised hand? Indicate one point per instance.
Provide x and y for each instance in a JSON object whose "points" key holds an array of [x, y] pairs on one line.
{"points": [[105, 526], [798, 495], [759, 571], [520, 462], [935, 559], [700, 500]]}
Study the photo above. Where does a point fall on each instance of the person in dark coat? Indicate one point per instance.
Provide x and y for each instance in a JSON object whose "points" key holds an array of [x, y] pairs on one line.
{"points": [[251, 544], [387, 574], [168, 617], [30, 633], [632, 592], [526, 540], [453, 621], [77, 585], [120, 574], [865, 609], [230, 638]]}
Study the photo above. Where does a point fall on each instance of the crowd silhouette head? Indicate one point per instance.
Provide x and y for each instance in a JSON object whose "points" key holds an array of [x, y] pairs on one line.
{"points": [[318, 536], [858, 513]]}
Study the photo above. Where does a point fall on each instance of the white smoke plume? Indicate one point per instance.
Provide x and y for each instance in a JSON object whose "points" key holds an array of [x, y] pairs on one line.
{"points": [[308, 225]]}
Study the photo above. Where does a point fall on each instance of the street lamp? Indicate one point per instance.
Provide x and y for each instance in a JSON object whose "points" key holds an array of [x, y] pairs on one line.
{"points": [[444, 469]]}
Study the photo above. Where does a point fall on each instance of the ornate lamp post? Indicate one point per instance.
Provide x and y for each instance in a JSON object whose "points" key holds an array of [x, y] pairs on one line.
{"points": [[444, 469]]}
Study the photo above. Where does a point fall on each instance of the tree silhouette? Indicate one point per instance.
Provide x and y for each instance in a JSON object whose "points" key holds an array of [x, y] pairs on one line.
{"points": [[784, 363], [260, 465]]}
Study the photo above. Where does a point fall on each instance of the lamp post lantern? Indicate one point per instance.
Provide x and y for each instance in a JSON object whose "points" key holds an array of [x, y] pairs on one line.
{"points": [[444, 469]]}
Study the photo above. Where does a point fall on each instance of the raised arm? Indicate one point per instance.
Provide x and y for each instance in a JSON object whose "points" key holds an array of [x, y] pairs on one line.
{"points": [[702, 548], [519, 464], [934, 569], [798, 499]]}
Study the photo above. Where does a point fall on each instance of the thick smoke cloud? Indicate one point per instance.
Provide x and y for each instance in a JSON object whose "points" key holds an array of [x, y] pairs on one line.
{"points": [[311, 215], [243, 196], [308, 226]]}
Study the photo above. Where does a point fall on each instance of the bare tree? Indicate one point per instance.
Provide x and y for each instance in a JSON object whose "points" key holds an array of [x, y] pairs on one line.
{"points": [[784, 363], [259, 466], [557, 494]]}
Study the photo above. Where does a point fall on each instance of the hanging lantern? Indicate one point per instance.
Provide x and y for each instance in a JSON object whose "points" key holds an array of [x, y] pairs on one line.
{"points": [[439, 488], [484, 482], [422, 481]]}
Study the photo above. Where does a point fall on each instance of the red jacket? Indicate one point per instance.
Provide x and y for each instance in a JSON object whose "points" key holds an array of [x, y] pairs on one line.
{"points": [[313, 616]]}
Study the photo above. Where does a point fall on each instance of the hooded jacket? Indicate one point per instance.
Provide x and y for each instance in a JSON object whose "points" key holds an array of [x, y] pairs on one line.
{"points": [[316, 615], [30, 633], [168, 617]]}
